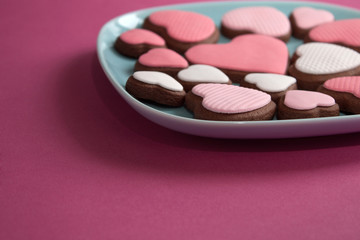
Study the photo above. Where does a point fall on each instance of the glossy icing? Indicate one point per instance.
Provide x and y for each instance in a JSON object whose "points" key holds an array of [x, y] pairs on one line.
{"points": [[163, 57], [325, 58], [230, 99], [249, 53], [270, 82], [183, 25], [261, 20], [142, 36], [345, 31], [158, 78], [307, 100], [308, 17], [203, 73], [344, 84]]}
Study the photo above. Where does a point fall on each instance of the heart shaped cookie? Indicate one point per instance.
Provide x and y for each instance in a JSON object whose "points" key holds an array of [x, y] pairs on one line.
{"points": [[344, 32], [274, 84], [244, 54], [199, 73], [260, 20], [182, 29], [306, 104], [162, 60], [303, 19], [317, 62], [346, 91], [229, 103], [136, 42]]}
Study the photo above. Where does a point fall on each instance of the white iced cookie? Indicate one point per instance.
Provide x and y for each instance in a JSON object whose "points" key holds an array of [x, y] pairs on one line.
{"points": [[158, 78], [314, 63], [200, 73], [274, 84]]}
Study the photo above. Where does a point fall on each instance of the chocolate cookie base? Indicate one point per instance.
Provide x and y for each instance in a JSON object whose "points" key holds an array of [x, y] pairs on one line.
{"points": [[133, 50]]}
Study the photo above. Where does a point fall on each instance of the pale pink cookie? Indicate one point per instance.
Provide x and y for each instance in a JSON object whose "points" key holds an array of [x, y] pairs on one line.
{"points": [[306, 104], [343, 32], [346, 91], [276, 85], [137, 41], [229, 103], [303, 19], [157, 87], [199, 73], [260, 20], [244, 54], [182, 29], [314, 63], [162, 60]]}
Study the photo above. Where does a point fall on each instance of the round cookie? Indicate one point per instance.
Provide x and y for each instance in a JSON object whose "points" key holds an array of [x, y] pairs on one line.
{"points": [[182, 29], [244, 54], [344, 32], [345, 91], [157, 87], [276, 85], [199, 73], [221, 102], [297, 104], [303, 19], [259, 20], [314, 63], [161, 60], [136, 42]]}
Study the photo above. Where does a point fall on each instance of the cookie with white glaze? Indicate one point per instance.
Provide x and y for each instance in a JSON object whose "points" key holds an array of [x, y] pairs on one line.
{"points": [[221, 102], [303, 19], [199, 73], [136, 42], [161, 60], [259, 20], [345, 32], [297, 104], [157, 87], [345, 91], [276, 85], [182, 29], [314, 63]]}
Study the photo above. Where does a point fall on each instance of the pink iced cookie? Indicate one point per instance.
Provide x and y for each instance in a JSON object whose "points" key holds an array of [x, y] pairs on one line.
{"points": [[343, 32], [303, 19], [182, 29], [135, 42], [244, 54], [162, 60], [261, 20], [346, 91], [229, 102], [306, 104]]}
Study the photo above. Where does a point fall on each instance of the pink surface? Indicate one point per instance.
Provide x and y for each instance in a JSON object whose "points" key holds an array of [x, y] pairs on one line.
{"points": [[230, 99], [345, 84], [248, 53], [76, 162], [308, 17], [142, 36], [306, 100], [163, 57]]}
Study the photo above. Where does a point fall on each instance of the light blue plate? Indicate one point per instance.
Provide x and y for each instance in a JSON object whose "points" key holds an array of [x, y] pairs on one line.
{"points": [[119, 68]]}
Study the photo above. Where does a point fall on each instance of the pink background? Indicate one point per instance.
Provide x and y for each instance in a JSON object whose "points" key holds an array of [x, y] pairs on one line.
{"points": [[76, 162]]}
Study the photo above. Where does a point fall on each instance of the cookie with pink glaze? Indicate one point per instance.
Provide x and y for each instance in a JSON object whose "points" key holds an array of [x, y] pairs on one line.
{"points": [[157, 87], [345, 91], [243, 55], [161, 60], [303, 19], [296, 104], [344, 32], [221, 102], [182, 29], [276, 85], [314, 63], [136, 42], [259, 20], [199, 73]]}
